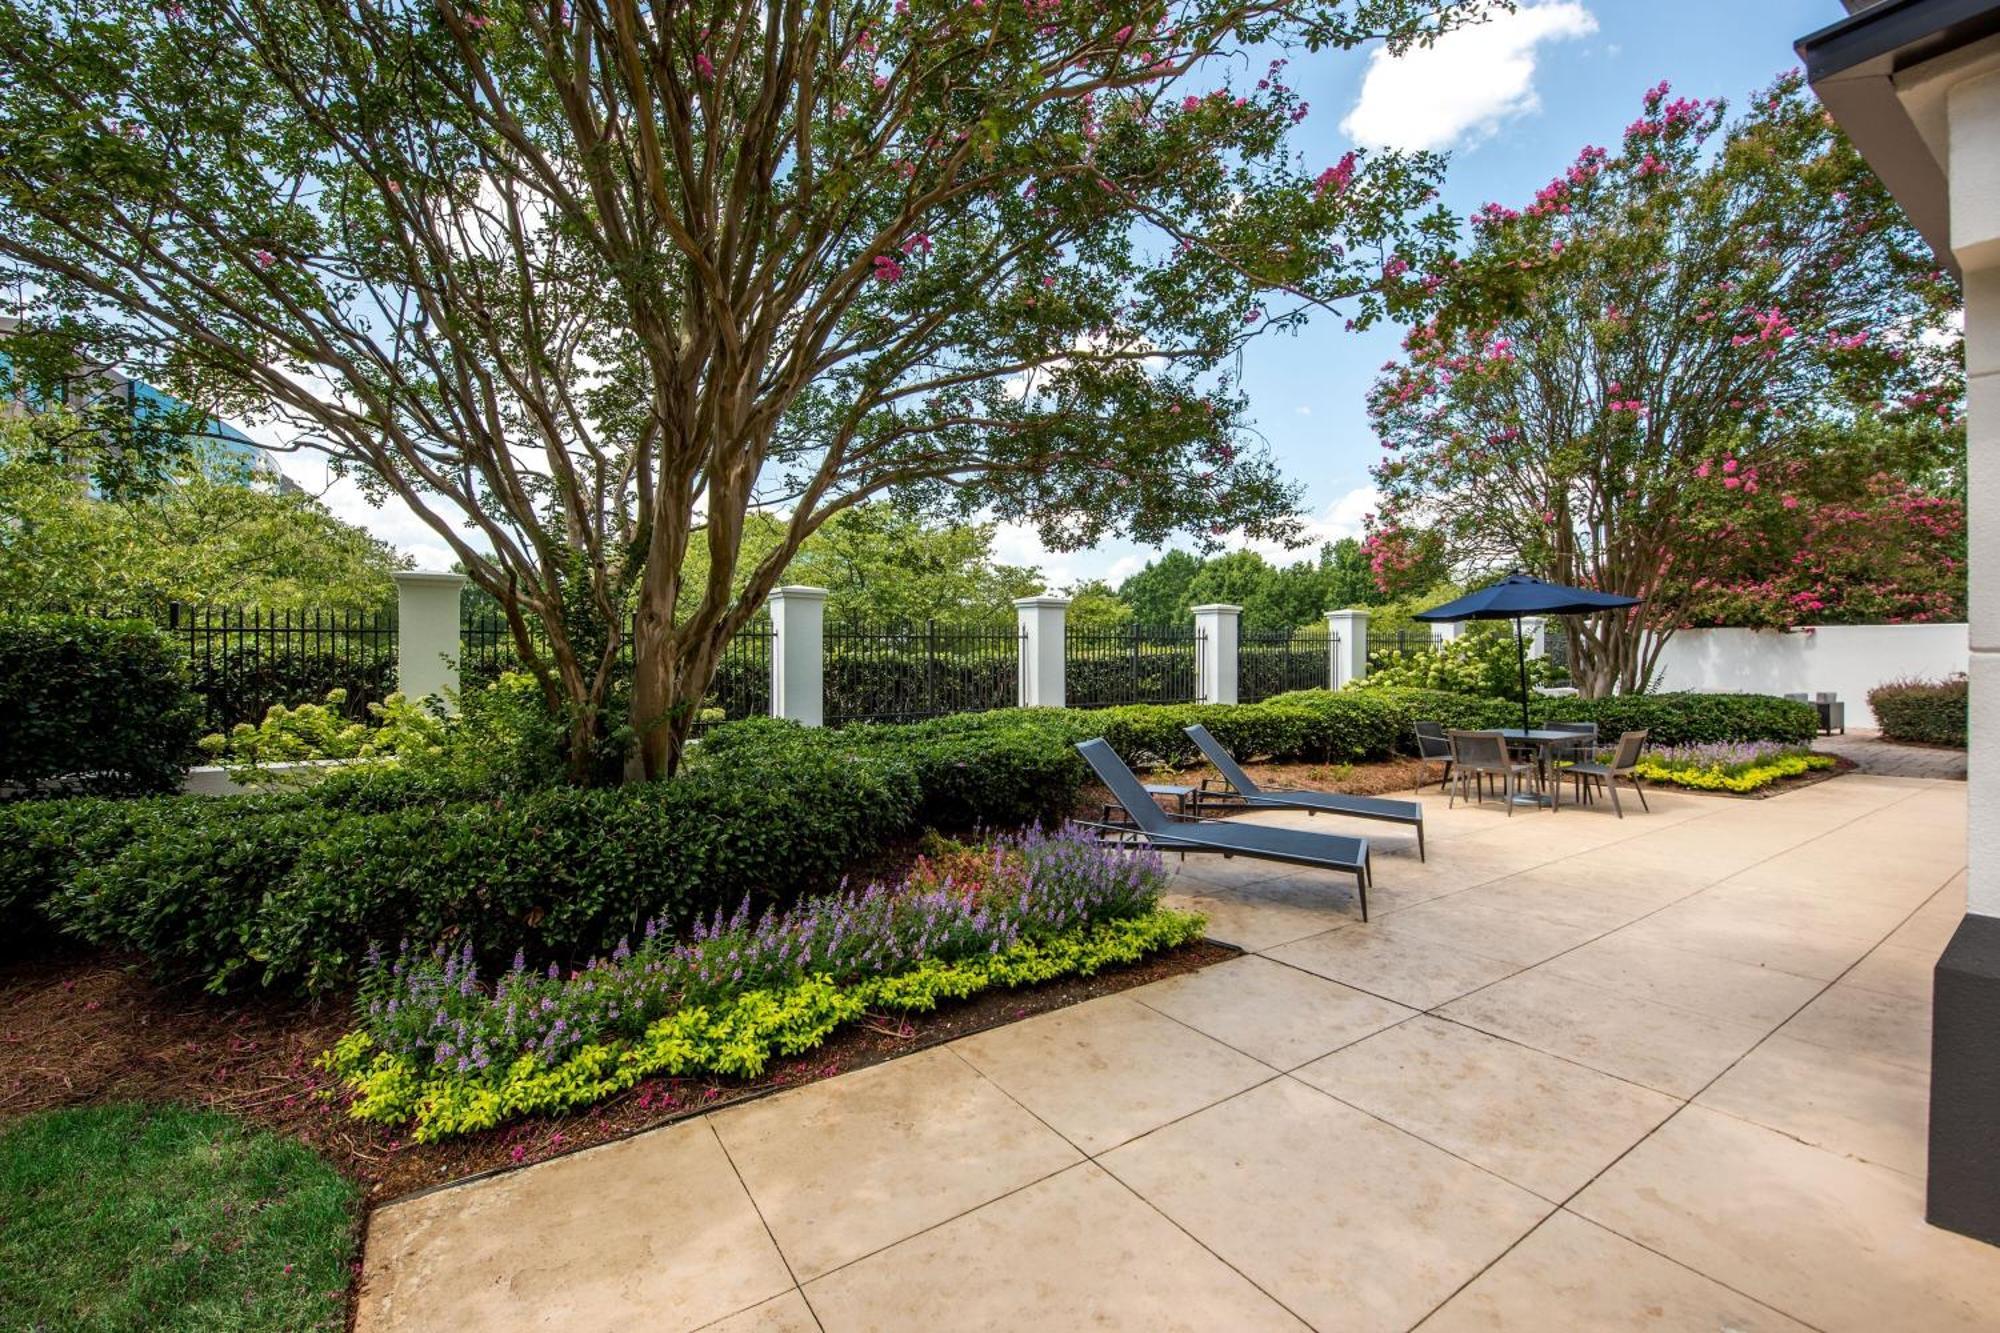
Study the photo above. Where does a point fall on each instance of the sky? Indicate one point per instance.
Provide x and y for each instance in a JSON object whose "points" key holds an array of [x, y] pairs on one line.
{"points": [[1510, 101]]}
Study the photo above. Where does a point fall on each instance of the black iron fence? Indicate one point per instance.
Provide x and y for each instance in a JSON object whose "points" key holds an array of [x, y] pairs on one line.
{"points": [[910, 672], [1272, 662], [241, 661], [741, 688], [1133, 664], [1381, 647]]}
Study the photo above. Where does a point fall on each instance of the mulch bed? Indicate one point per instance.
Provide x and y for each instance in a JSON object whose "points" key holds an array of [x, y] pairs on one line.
{"points": [[95, 1029], [1377, 779]]}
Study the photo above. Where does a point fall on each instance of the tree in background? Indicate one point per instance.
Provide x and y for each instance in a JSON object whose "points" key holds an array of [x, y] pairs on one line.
{"points": [[206, 532], [577, 280], [884, 566], [1622, 364], [1159, 593], [1865, 529]]}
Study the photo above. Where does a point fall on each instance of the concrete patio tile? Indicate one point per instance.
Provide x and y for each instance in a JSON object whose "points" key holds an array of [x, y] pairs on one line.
{"points": [[1674, 1051], [849, 1165], [1108, 1070], [1546, 1124], [1075, 1251], [1820, 909], [1278, 1014], [1573, 1274], [1255, 922], [1228, 872], [1718, 987], [1596, 907], [1832, 1099], [1351, 1224], [1896, 969], [1492, 929], [1931, 927], [654, 1232], [1381, 960], [1836, 1243], [1708, 926], [1865, 1022], [788, 1313]]}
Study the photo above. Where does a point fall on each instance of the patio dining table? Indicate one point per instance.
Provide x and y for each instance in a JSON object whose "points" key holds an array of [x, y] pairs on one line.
{"points": [[1543, 741]]}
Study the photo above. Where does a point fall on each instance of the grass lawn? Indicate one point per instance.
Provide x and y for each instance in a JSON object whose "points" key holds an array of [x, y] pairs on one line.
{"points": [[162, 1217]]}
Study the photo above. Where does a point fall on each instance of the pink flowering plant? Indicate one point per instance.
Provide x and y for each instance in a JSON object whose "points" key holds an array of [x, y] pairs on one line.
{"points": [[1627, 371], [577, 281]]}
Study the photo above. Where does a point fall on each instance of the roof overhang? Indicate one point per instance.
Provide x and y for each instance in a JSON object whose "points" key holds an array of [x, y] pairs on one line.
{"points": [[1854, 66]]}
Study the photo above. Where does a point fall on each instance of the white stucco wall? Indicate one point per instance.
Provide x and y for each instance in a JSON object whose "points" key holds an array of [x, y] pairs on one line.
{"points": [[1848, 660]]}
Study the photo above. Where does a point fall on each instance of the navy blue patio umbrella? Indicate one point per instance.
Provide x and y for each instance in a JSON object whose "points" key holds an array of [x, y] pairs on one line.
{"points": [[1520, 595]]}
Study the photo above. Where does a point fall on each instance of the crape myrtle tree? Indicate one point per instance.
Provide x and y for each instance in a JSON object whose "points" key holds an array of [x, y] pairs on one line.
{"points": [[575, 279], [1618, 366]]}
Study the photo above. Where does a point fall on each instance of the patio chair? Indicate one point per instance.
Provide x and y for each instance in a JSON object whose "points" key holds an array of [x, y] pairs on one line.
{"points": [[1584, 747], [1433, 746], [1240, 789], [1322, 851], [1622, 764], [1478, 755]]}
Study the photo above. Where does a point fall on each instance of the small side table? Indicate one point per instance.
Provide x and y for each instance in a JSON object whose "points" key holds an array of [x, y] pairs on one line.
{"points": [[1181, 798]]}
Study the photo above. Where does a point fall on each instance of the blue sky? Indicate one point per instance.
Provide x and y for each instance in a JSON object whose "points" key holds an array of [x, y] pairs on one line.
{"points": [[1511, 102]]}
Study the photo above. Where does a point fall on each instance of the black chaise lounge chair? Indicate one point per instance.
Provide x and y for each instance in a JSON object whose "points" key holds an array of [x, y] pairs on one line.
{"points": [[1323, 851], [1243, 791]]}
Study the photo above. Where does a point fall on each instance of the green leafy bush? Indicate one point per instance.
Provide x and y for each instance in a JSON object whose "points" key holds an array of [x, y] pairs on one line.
{"points": [[1690, 719], [1478, 662], [289, 890], [93, 706], [1930, 712]]}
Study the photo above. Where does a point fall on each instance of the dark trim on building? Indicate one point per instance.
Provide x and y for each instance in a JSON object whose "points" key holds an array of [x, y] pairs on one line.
{"points": [[1906, 32], [1964, 1194], [1853, 64]]}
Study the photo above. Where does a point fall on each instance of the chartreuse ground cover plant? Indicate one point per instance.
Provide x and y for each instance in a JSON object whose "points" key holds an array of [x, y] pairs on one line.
{"points": [[445, 1051], [164, 1218], [1735, 768]]}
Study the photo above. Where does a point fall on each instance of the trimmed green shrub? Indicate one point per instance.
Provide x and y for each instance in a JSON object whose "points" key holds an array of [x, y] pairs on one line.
{"points": [[92, 706], [1690, 719], [1930, 712], [287, 891]]}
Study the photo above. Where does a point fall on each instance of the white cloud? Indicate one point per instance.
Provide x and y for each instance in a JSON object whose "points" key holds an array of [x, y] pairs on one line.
{"points": [[1305, 411], [1462, 87], [1344, 517]]}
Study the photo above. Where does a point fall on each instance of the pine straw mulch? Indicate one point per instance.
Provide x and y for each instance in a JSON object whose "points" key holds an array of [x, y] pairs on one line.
{"points": [[91, 1029], [1399, 775]]}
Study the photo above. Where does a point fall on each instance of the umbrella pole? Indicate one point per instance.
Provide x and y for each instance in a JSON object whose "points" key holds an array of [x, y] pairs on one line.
{"points": [[1521, 649]]}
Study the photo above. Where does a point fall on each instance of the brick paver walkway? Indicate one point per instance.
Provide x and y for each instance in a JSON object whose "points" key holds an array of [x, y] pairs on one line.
{"points": [[1889, 759], [1578, 1073]]}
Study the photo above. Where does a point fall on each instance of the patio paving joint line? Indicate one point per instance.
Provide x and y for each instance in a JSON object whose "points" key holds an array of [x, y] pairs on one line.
{"points": [[708, 1120]]}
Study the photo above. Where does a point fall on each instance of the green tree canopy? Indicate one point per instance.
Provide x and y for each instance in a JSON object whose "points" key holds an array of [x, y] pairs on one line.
{"points": [[209, 534], [577, 279]]}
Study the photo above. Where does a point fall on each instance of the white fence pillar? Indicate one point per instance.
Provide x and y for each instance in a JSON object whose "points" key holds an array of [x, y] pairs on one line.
{"points": [[1347, 645], [1215, 628], [428, 644], [1044, 623], [1444, 631], [798, 654], [1534, 630]]}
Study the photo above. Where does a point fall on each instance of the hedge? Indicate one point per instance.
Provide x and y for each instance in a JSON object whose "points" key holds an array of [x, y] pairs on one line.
{"points": [[288, 890], [1930, 712], [92, 706]]}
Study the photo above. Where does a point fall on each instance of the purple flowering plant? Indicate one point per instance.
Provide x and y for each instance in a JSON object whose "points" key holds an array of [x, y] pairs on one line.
{"points": [[432, 1005]]}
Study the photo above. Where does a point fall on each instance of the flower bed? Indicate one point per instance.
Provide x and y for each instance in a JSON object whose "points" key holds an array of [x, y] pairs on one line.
{"points": [[1739, 768], [449, 1054]]}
